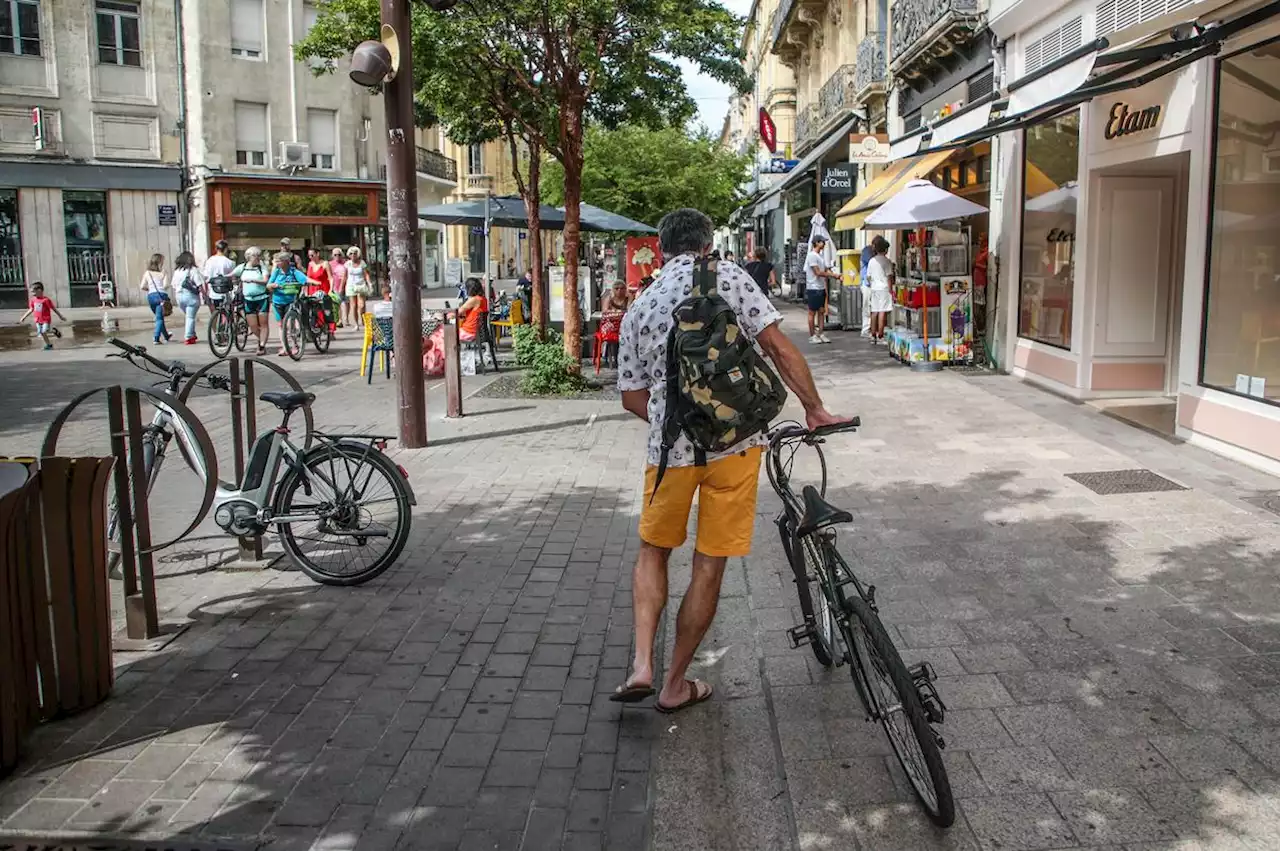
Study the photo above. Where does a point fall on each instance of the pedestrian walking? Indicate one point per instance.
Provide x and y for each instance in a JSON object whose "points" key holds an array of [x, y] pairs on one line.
{"points": [[816, 274], [218, 265], [338, 282], [357, 287], [156, 286], [41, 309], [725, 483], [253, 275], [318, 270], [762, 272], [190, 289], [880, 274], [868, 251]]}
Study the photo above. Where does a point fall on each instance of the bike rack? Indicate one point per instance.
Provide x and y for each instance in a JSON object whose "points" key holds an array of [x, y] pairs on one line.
{"points": [[244, 431]]}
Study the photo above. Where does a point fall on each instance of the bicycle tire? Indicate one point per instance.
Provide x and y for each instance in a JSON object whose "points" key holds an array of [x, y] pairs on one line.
{"points": [[241, 324], [942, 809], [113, 513], [293, 333], [220, 333], [319, 331], [289, 486], [823, 645]]}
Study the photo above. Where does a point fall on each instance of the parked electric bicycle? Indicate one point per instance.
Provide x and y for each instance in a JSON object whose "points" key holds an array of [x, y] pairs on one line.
{"points": [[842, 623]]}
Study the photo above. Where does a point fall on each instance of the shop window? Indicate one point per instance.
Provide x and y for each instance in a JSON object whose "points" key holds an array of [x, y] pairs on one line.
{"points": [[1052, 149], [84, 220], [251, 134], [12, 283], [255, 202], [1241, 342], [119, 33], [322, 135], [247, 27], [20, 27]]}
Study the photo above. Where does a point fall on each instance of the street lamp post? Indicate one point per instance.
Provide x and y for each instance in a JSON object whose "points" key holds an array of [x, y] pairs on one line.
{"points": [[389, 63]]}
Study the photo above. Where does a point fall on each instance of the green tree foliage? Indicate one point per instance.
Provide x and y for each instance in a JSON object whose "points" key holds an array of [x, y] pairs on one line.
{"points": [[644, 174], [544, 69]]}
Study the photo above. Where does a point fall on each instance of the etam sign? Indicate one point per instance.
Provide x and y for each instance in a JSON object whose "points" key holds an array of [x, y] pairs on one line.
{"points": [[1124, 120]]}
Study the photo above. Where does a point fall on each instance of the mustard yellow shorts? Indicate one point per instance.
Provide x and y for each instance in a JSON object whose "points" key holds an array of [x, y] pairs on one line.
{"points": [[726, 491]]}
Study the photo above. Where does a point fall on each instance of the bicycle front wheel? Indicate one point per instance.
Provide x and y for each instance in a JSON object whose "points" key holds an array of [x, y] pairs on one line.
{"points": [[362, 502], [220, 333], [241, 331], [897, 702], [292, 333], [319, 331]]}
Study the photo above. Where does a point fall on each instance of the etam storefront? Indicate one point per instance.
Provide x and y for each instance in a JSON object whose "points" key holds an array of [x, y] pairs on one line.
{"points": [[1149, 279]]}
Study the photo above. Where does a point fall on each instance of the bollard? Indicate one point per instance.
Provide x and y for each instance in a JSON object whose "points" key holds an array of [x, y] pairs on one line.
{"points": [[452, 371]]}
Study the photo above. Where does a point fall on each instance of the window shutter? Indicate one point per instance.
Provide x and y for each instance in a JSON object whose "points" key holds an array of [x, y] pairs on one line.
{"points": [[251, 126], [1116, 15], [322, 133], [246, 26], [1053, 45]]}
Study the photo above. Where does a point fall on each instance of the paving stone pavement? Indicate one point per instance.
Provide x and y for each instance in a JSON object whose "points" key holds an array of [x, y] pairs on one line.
{"points": [[1111, 663]]}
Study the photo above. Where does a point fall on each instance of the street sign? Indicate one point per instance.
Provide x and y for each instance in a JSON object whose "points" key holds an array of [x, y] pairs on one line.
{"points": [[837, 179], [167, 215], [768, 131], [869, 148], [778, 165]]}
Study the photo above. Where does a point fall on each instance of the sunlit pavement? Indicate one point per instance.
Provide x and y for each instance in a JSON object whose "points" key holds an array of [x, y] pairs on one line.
{"points": [[1109, 662]]}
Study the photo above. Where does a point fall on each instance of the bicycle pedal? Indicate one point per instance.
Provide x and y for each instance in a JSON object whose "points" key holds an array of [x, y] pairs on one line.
{"points": [[923, 676], [800, 635]]}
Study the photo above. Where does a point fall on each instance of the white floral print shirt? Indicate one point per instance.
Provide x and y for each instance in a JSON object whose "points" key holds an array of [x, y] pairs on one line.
{"points": [[642, 350]]}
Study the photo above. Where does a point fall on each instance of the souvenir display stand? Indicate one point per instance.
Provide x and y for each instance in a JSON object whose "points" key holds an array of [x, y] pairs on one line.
{"points": [[932, 317]]}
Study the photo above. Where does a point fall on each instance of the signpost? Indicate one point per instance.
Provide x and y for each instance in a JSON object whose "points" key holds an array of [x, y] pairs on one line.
{"points": [[167, 215]]}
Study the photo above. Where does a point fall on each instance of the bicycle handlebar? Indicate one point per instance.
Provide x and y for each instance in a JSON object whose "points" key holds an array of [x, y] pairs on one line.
{"points": [[129, 352], [799, 432]]}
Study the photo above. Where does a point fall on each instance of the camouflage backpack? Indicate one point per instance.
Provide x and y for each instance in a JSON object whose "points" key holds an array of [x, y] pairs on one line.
{"points": [[720, 389]]}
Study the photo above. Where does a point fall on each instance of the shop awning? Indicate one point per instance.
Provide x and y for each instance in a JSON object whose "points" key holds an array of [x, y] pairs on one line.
{"points": [[1088, 72], [853, 214], [841, 133]]}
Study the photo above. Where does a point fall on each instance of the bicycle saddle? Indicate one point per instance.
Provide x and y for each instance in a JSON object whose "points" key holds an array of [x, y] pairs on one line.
{"points": [[818, 513], [287, 400]]}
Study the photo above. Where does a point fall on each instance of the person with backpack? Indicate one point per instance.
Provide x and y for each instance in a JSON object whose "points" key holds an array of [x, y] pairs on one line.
{"points": [[191, 290], [689, 366]]}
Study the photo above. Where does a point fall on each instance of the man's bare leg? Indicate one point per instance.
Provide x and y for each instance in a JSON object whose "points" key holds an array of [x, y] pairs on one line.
{"points": [[697, 610], [649, 597]]}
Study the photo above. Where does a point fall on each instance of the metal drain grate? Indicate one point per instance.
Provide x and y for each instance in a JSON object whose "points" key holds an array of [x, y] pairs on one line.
{"points": [[10, 843], [972, 371], [1267, 502], [1110, 482]]}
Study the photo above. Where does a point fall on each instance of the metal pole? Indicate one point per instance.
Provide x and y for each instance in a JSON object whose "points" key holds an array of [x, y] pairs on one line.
{"points": [[402, 225]]}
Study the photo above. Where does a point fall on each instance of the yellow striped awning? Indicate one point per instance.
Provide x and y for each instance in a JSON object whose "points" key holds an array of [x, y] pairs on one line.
{"points": [[854, 214]]}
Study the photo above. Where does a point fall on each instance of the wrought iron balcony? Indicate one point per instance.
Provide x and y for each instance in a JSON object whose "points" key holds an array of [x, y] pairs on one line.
{"points": [[917, 23], [806, 127], [835, 98], [778, 21], [436, 164], [871, 67]]}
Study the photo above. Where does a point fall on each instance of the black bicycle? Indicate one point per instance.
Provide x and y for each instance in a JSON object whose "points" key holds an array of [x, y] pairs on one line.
{"points": [[307, 319], [227, 323], [844, 626]]}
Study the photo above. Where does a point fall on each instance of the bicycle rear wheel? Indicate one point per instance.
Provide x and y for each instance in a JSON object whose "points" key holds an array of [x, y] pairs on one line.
{"points": [[292, 334], [365, 501], [241, 335], [813, 602], [319, 330], [893, 691], [220, 333]]}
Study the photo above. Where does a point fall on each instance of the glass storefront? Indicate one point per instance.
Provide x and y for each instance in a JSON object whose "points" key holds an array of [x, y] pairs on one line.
{"points": [[1241, 344], [84, 219], [1052, 151], [13, 291]]}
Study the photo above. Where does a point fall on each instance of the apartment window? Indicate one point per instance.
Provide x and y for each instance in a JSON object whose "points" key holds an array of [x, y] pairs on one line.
{"points": [[119, 33], [251, 134], [322, 134], [20, 27], [247, 27], [1052, 155], [475, 159], [1241, 342]]}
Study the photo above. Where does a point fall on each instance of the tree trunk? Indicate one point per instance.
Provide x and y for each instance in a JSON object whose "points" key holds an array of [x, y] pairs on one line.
{"points": [[532, 207], [571, 128]]}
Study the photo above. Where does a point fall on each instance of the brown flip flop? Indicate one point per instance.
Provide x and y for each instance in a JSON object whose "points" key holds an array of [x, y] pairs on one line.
{"points": [[631, 693], [698, 697]]}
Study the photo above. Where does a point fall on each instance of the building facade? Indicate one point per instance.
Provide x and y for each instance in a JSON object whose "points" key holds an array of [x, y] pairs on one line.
{"points": [[1149, 276], [91, 146]]}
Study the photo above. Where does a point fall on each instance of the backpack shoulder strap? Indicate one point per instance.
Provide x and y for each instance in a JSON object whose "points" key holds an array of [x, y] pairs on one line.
{"points": [[704, 277]]}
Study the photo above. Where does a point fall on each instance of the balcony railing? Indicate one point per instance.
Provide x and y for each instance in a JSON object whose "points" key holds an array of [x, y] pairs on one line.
{"points": [[778, 21], [479, 182], [835, 98], [806, 126], [871, 67], [911, 21], [436, 164]]}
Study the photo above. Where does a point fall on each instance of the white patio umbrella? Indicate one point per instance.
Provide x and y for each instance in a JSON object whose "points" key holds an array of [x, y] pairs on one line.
{"points": [[818, 228], [920, 204]]}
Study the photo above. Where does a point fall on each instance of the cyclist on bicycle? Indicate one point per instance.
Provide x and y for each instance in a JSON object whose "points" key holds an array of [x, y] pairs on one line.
{"points": [[285, 283], [726, 484], [318, 270]]}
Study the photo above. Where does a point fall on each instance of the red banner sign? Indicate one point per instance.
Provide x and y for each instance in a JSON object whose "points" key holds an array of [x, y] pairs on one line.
{"points": [[768, 131]]}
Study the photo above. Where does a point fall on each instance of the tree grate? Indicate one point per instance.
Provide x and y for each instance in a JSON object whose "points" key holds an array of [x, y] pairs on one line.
{"points": [[1267, 502], [1111, 482]]}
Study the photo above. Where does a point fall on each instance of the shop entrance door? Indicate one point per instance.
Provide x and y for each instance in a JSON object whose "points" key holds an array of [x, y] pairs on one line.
{"points": [[1135, 266]]}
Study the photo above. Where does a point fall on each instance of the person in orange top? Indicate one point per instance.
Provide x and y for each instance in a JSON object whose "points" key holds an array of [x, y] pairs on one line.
{"points": [[318, 270], [471, 311]]}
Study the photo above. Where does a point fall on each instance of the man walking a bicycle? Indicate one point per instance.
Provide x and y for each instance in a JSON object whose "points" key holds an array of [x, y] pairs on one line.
{"points": [[692, 300]]}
